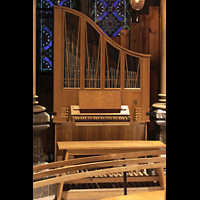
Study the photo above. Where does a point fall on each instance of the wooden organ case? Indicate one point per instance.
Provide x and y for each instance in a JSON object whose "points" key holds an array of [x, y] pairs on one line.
{"points": [[101, 89]]}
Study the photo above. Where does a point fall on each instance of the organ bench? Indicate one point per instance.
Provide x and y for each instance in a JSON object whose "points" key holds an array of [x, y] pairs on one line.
{"points": [[80, 148], [107, 146]]}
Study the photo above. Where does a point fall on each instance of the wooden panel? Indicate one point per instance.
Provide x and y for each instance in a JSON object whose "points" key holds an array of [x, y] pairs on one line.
{"points": [[82, 52], [117, 39], [146, 88], [99, 99], [124, 38], [75, 110], [154, 50], [135, 37], [68, 131], [129, 97], [58, 51], [144, 34]]}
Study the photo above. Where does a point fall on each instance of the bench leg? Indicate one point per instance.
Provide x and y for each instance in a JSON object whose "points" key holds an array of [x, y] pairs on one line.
{"points": [[125, 184], [59, 188], [125, 181], [59, 191], [161, 176]]}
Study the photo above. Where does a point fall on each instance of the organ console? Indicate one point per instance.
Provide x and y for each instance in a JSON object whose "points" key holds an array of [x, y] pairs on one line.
{"points": [[101, 89], [100, 108]]}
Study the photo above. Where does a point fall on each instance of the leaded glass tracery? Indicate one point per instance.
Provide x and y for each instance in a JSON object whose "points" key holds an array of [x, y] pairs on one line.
{"points": [[111, 15], [45, 31]]}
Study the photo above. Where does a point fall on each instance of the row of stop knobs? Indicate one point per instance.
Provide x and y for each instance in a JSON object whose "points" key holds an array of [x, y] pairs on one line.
{"points": [[101, 118]]}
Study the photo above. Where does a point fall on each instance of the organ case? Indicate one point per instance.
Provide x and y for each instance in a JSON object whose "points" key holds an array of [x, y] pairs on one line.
{"points": [[88, 64]]}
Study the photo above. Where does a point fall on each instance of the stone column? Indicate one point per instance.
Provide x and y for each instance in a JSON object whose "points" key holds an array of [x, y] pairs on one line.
{"points": [[40, 118], [163, 47], [160, 106], [36, 108], [162, 96]]}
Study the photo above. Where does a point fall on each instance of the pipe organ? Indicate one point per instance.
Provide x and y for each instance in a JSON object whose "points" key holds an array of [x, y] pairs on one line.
{"points": [[101, 89]]}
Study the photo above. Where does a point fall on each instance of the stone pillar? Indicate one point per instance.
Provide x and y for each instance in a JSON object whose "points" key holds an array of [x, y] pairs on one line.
{"points": [[40, 118], [162, 96], [34, 47], [160, 106], [163, 47]]}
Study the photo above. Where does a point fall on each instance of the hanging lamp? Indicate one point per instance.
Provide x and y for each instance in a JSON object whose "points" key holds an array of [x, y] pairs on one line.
{"points": [[137, 4]]}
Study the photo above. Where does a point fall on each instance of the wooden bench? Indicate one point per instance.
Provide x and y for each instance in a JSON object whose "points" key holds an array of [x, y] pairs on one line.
{"points": [[106, 147], [65, 171], [73, 148]]}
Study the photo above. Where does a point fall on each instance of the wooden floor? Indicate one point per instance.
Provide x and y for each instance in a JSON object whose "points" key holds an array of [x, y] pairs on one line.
{"points": [[97, 194], [46, 198], [155, 195]]}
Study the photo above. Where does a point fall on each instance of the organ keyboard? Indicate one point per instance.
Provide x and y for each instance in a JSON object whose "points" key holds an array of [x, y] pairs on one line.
{"points": [[123, 117]]}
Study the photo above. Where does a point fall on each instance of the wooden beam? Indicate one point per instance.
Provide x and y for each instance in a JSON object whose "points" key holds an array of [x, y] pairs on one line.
{"points": [[144, 34], [114, 179], [154, 51]]}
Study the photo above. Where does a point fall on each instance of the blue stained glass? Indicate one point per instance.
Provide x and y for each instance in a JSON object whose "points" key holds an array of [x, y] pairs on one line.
{"points": [[48, 60], [105, 4], [116, 2], [48, 46], [100, 18], [45, 21], [111, 15], [103, 30], [117, 16], [62, 2], [47, 29], [51, 4], [116, 32]]}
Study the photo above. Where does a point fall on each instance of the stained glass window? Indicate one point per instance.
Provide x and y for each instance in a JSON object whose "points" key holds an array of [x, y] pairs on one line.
{"points": [[111, 15], [44, 27]]}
